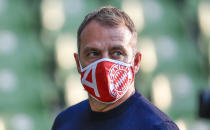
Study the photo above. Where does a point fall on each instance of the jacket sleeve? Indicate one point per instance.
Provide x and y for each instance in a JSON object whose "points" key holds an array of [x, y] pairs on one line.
{"points": [[57, 122], [167, 125]]}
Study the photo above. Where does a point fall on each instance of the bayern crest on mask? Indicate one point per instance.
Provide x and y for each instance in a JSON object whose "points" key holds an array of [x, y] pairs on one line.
{"points": [[107, 80]]}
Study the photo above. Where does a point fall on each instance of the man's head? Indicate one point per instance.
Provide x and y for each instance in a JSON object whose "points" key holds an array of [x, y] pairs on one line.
{"points": [[109, 17], [106, 33]]}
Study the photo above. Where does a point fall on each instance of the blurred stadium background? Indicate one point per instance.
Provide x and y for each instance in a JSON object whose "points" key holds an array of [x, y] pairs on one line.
{"points": [[38, 76]]}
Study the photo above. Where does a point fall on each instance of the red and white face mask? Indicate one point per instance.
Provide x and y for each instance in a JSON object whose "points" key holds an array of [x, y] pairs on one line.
{"points": [[107, 80]]}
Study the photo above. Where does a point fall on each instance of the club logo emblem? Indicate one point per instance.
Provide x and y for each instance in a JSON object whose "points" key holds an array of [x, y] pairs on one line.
{"points": [[120, 78]]}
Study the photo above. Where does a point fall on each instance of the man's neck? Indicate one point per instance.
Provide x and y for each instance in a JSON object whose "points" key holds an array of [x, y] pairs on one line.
{"points": [[102, 107]]}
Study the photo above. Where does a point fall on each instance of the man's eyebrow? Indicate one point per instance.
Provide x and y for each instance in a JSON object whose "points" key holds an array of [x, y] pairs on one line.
{"points": [[118, 48], [90, 49]]}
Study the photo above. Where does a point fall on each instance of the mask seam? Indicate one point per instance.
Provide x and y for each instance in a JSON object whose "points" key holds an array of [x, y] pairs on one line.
{"points": [[104, 59]]}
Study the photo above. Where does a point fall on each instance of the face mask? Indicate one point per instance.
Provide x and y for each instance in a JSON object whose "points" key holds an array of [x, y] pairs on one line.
{"points": [[107, 80]]}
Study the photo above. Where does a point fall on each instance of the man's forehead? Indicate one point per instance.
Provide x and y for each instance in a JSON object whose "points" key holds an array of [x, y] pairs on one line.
{"points": [[94, 23], [95, 30]]}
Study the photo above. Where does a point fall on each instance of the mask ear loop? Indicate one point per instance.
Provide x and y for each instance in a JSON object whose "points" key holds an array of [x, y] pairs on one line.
{"points": [[81, 68], [132, 61]]}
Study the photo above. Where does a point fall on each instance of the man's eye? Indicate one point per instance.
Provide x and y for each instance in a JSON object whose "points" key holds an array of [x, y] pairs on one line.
{"points": [[92, 54], [117, 53]]}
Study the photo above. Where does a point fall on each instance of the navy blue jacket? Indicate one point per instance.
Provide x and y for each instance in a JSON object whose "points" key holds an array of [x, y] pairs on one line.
{"points": [[136, 113]]}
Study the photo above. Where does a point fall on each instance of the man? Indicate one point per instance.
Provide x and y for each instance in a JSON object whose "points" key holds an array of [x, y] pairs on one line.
{"points": [[108, 61]]}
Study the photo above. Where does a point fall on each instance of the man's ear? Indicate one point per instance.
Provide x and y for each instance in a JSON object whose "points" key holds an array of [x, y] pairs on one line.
{"points": [[137, 61], [76, 57]]}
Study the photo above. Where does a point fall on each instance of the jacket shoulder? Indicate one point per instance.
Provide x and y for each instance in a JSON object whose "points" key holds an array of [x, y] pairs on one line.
{"points": [[71, 113], [151, 115]]}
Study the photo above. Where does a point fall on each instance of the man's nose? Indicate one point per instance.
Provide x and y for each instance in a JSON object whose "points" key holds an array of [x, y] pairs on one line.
{"points": [[106, 55]]}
